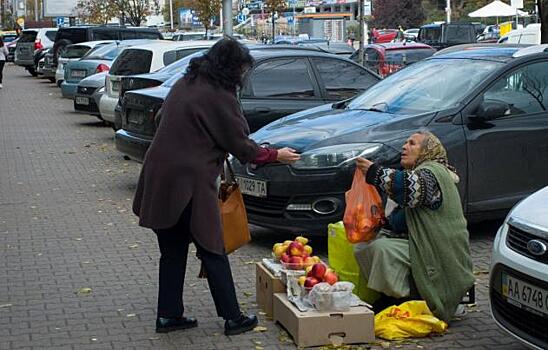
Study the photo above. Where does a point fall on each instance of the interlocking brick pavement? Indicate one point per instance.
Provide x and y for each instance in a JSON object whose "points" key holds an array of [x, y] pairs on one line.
{"points": [[66, 224]]}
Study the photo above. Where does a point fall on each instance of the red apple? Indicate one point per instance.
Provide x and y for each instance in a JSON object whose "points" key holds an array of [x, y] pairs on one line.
{"points": [[296, 262], [285, 258], [318, 270], [295, 249], [310, 282], [331, 278]]}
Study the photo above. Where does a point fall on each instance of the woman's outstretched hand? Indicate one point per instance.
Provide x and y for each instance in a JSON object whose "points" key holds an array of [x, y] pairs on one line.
{"points": [[363, 164], [287, 155]]}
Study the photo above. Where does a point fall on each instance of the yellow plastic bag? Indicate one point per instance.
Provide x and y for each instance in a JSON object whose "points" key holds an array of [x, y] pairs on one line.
{"points": [[411, 319], [340, 254]]}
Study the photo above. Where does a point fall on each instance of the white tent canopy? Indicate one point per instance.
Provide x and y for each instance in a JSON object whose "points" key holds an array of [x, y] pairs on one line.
{"points": [[497, 9]]}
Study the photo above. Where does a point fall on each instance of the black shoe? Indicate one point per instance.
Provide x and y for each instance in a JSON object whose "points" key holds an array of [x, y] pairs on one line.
{"points": [[164, 325], [241, 324]]}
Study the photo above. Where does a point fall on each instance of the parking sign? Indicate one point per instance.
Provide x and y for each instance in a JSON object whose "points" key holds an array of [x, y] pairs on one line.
{"points": [[60, 21]]}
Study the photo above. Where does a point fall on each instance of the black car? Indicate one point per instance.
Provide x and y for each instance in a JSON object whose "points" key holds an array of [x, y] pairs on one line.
{"points": [[283, 81], [74, 35], [488, 106], [443, 35]]}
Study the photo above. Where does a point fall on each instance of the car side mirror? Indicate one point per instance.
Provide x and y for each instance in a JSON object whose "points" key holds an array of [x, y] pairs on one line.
{"points": [[490, 110]]}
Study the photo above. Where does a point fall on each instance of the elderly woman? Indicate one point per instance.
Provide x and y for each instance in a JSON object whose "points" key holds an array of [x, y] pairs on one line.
{"points": [[426, 252]]}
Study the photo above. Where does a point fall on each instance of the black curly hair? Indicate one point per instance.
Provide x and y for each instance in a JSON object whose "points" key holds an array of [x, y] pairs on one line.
{"points": [[223, 64]]}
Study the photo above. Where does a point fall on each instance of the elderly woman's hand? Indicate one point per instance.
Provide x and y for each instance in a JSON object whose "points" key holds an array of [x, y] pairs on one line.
{"points": [[287, 155], [363, 164]]}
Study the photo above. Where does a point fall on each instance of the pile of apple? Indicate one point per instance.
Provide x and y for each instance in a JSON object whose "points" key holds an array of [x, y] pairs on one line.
{"points": [[317, 273], [295, 255]]}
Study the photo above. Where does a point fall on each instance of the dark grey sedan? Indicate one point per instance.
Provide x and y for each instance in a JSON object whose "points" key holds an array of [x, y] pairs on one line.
{"points": [[488, 106]]}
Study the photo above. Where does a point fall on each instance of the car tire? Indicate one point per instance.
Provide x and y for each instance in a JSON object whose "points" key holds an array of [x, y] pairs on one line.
{"points": [[51, 80], [32, 71]]}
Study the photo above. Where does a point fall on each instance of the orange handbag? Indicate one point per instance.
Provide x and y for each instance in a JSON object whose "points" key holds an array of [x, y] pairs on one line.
{"points": [[233, 215]]}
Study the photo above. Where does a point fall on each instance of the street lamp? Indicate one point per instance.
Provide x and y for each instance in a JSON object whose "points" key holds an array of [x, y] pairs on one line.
{"points": [[171, 13]]}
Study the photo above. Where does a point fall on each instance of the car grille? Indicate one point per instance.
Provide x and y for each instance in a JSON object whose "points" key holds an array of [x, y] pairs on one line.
{"points": [[517, 241], [271, 206], [528, 324], [86, 90]]}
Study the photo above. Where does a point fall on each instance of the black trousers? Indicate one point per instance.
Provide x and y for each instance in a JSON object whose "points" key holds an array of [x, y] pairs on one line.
{"points": [[173, 244], [1, 70]]}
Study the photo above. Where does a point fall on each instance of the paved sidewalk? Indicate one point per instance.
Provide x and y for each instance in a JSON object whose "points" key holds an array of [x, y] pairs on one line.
{"points": [[76, 272]]}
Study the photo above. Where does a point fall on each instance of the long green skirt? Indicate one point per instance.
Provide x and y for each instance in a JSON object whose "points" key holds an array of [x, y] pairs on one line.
{"points": [[385, 264]]}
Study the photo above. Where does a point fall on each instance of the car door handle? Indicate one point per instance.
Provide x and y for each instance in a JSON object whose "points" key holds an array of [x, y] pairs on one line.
{"points": [[262, 110]]}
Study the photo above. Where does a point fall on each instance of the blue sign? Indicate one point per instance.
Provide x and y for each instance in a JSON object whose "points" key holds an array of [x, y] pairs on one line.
{"points": [[187, 18], [292, 2], [60, 21], [290, 19], [241, 17]]}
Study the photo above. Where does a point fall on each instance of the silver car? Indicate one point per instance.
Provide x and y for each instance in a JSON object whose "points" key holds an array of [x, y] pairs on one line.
{"points": [[30, 41]]}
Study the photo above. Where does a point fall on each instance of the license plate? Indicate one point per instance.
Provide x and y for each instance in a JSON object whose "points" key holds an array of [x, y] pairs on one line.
{"points": [[524, 294], [136, 117], [81, 100], [252, 187], [78, 73]]}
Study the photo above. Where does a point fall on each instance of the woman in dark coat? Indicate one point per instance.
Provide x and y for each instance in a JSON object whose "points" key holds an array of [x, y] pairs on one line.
{"points": [[177, 192]]}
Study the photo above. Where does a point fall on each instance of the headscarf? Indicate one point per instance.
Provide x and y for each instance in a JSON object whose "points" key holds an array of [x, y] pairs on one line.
{"points": [[432, 150]]}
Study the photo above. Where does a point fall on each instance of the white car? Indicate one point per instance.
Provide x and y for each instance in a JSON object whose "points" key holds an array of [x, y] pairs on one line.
{"points": [[527, 35], [141, 59], [73, 53], [518, 283]]}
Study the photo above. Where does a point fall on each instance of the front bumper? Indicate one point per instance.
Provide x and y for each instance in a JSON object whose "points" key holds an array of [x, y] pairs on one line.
{"points": [[132, 145], [68, 90], [307, 190], [531, 328]]}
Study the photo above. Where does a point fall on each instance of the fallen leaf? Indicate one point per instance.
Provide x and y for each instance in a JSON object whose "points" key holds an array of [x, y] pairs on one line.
{"points": [[248, 294], [256, 342], [481, 272], [5, 305], [83, 291], [258, 347], [119, 310], [260, 329], [93, 339], [78, 239], [385, 344], [336, 340], [153, 338], [133, 246], [131, 315], [262, 313], [420, 347], [249, 262]]}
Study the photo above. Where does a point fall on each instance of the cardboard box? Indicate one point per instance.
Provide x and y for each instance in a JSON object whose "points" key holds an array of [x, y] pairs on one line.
{"points": [[314, 328], [266, 285]]}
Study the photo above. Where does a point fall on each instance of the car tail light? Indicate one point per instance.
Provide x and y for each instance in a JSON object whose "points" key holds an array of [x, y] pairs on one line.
{"points": [[38, 44], [102, 68]]}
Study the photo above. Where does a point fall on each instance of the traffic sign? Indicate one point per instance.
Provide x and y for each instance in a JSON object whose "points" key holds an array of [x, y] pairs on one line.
{"points": [[60, 21], [241, 17]]}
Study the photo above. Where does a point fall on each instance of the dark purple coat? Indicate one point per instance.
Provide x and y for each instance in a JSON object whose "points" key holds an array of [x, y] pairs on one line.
{"points": [[200, 124]]}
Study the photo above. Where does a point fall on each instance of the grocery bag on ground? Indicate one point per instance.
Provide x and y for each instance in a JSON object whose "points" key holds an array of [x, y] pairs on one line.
{"points": [[412, 319], [364, 212], [341, 258]]}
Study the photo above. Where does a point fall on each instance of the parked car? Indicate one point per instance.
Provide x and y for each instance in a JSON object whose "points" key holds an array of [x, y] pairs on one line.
{"points": [[385, 59], [32, 40], [88, 94], [527, 35], [99, 60], [481, 104], [411, 34], [141, 59], [383, 36], [443, 35], [518, 281], [11, 49], [283, 81], [75, 35], [187, 36], [72, 53]]}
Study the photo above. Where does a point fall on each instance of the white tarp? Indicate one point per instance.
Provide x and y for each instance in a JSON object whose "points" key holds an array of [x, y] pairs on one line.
{"points": [[59, 8], [497, 9]]}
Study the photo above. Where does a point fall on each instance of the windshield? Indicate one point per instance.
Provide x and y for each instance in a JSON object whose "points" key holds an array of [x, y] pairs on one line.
{"points": [[75, 51], [426, 86], [105, 52], [178, 69]]}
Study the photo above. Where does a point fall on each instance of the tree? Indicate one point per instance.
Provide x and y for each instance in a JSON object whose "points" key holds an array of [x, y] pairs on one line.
{"points": [[397, 13], [206, 10], [543, 16], [273, 6], [96, 11], [135, 11]]}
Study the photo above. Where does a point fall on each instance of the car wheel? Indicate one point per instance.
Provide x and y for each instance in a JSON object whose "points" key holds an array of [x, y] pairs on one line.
{"points": [[32, 71], [52, 80]]}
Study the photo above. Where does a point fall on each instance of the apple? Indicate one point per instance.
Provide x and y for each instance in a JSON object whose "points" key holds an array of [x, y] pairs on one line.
{"points": [[279, 250], [301, 239], [296, 262], [318, 270], [285, 258], [301, 280], [310, 282], [307, 249], [331, 278], [295, 249]]}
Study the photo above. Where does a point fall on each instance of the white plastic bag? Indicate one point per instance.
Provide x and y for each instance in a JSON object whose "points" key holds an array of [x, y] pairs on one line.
{"points": [[337, 297]]}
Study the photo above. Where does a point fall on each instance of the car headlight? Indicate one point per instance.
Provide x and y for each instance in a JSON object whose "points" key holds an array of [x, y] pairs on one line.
{"points": [[334, 156], [101, 90]]}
